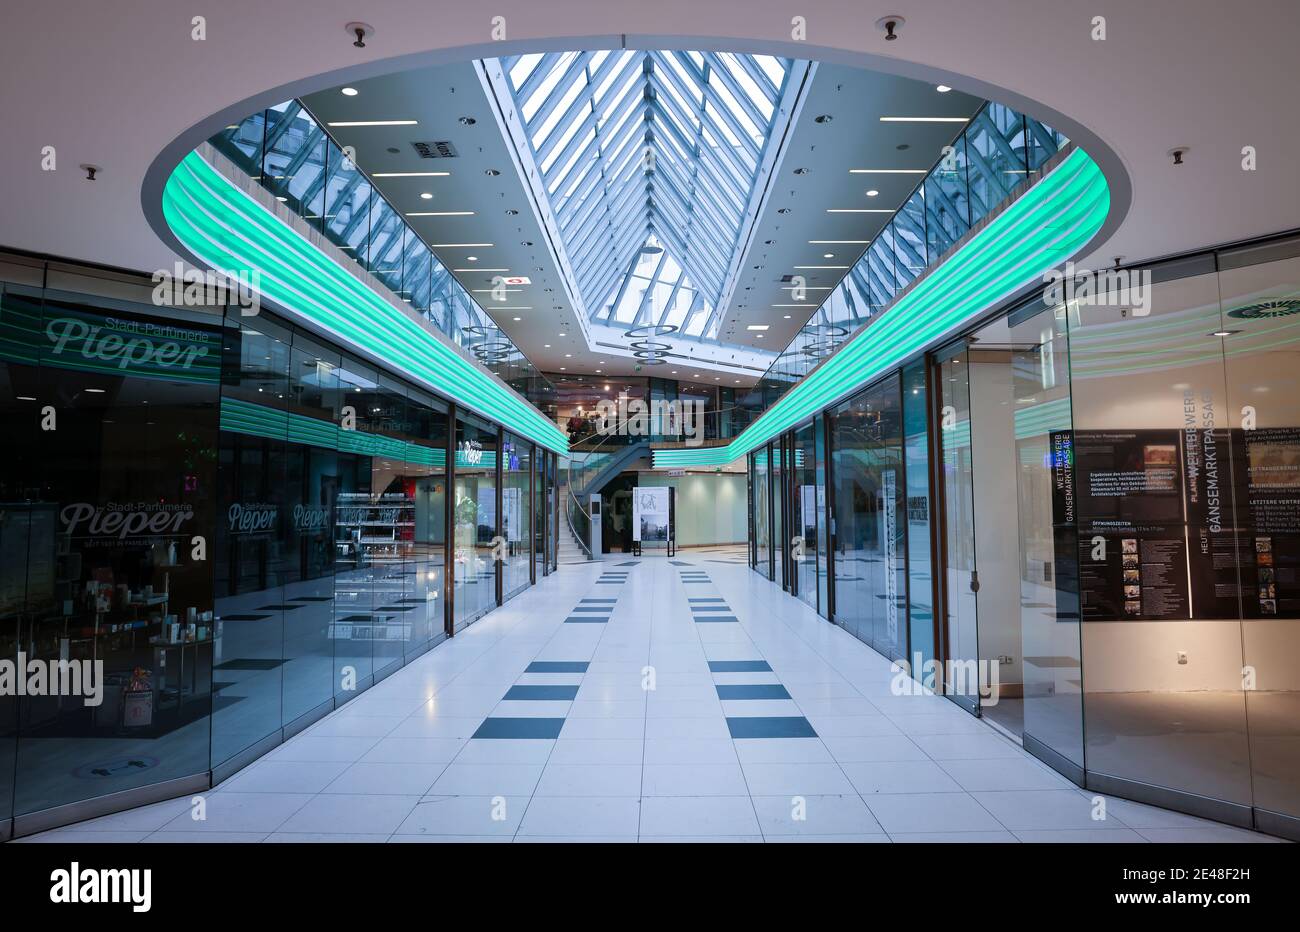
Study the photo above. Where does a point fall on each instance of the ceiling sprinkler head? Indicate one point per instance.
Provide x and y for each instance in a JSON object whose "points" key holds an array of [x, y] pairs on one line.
{"points": [[1177, 153], [360, 31], [890, 25], [91, 171]]}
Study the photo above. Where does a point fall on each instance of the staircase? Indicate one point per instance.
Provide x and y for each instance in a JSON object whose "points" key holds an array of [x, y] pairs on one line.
{"points": [[570, 551]]}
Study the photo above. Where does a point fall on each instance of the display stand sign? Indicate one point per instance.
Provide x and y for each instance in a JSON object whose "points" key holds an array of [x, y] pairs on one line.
{"points": [[651, 515]]}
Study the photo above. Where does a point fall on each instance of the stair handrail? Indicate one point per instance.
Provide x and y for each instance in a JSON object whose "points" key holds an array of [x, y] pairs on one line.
{"points": [[604, 433]]}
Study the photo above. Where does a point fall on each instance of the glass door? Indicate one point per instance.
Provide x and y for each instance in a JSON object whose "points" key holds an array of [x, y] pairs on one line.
{"points": [[776, 495], [960, 672], [804, 554]]}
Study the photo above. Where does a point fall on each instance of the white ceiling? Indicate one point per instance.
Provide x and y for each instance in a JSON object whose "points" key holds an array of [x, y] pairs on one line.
{"points": [[128, 89]]}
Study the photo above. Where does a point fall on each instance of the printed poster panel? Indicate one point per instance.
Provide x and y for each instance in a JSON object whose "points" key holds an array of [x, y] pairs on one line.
{"points": [[1202, 522], [650, 514]]}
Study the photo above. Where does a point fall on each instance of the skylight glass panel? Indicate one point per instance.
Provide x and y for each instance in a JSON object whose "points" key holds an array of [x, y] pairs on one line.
{"points": [[522, 68], [649, 147]]}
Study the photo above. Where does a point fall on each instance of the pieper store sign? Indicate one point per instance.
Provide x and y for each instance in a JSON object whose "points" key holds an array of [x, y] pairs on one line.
{"points": [[74, 339]]}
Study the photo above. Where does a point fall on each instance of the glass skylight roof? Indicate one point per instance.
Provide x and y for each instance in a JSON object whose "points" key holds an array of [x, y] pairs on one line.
{"points": [[650, 161]]}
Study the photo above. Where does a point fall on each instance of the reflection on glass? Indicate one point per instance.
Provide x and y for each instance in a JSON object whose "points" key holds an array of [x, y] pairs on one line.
{"points": [[762, 511], [1049, 585], [868, 540], [475, 516], [1260, 293], [251, 558], [803, 510], [1154, 449], [516, 513], [958, 480], [916, 453], [110, 502]]}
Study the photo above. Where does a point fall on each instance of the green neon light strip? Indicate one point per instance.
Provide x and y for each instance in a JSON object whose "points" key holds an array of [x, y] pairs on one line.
{"points": [[256, 420], [231, 232], [1048, 224]]}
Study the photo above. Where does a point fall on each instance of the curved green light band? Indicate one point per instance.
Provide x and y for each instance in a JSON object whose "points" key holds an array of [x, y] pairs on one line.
{"points": [[229, 231], [1043, 228]]}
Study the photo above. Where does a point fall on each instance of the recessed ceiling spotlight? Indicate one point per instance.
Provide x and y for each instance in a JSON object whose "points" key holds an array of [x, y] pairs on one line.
{"points": [[393, 150], [512, 212], [942, 88], [546, 346], [348, 91], [426, 196], [786, 316], [873, 193], [783, 210], [491, 172], [1224, 333], [889, 119], [828, 255], [562, 334], [409, 174], [824, 118], [801, 171], [374, 123], [887, 171], [526, 243], [471, 258], [518, 318], [467, 121], [568, 355]]}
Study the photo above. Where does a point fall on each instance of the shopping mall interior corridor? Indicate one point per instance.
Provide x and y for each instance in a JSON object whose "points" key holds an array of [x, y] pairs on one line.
{"points": [[648, 700]]}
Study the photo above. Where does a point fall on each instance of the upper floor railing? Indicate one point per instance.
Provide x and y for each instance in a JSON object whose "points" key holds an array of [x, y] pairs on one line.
{"points": [[996, 151], [286, 150]]}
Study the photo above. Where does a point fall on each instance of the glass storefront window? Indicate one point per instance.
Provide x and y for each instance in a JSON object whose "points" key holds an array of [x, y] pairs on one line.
{"points": [[316, 486], [762, 504], [108, 498], [916, 455], [1161, 546], [425, 484], [475, 518], [253, 536], [869, 521], [516, 513], [804, 532]]}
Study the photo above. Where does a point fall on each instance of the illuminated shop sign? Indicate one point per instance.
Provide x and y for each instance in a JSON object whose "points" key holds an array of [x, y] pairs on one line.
{"points": [[69, 338]]}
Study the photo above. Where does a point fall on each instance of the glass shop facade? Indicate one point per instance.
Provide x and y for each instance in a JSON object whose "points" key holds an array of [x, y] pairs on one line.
{"points": [[1081, 521], [241, 524]]}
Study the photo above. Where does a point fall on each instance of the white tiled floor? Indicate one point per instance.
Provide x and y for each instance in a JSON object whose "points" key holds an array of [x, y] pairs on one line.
{"points": [[398, 763]]}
